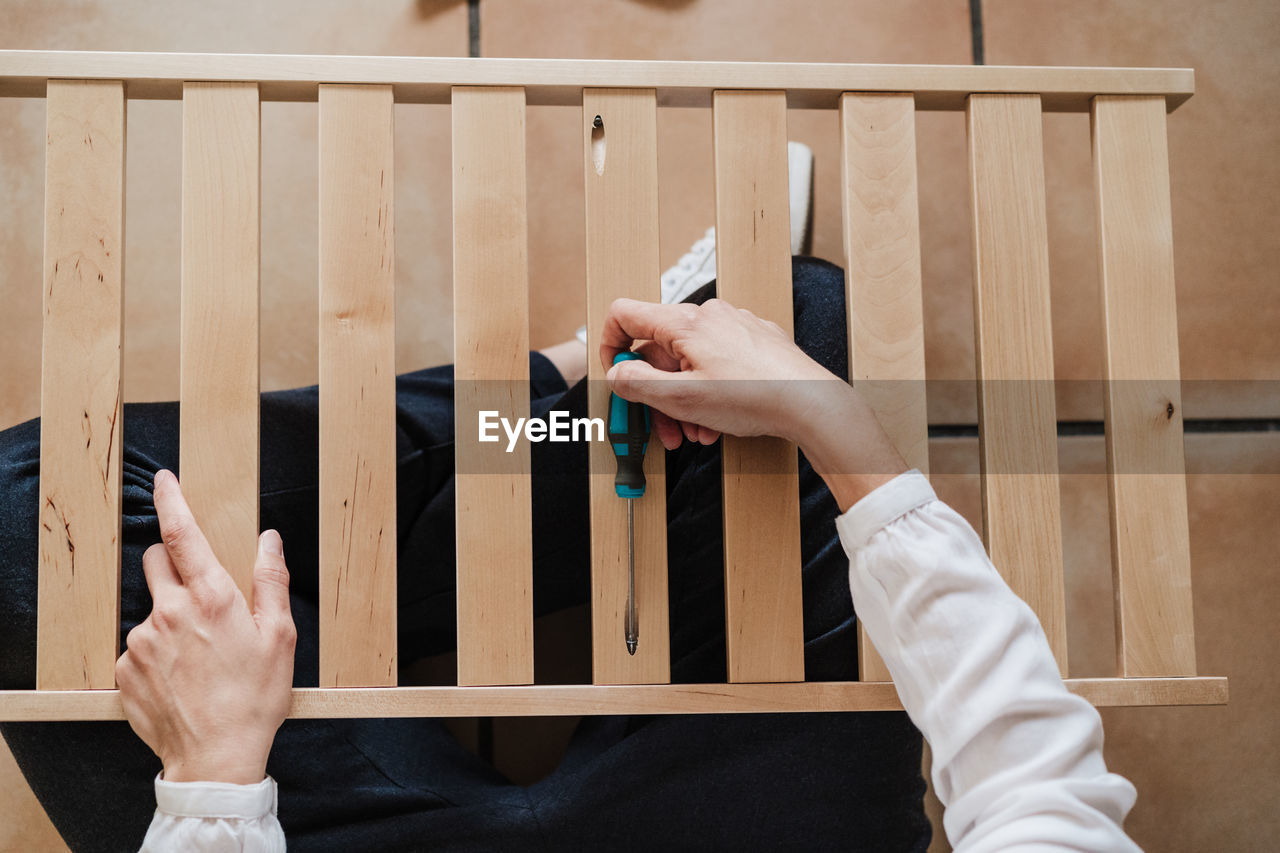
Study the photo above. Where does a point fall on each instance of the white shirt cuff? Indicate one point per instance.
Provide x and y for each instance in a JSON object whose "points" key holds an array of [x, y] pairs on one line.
{"points": [[216, 799], [885, 504]]}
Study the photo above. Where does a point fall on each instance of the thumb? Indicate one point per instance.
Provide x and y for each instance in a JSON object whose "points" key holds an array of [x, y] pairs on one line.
{"points": [[671, 392], [270, 578]]}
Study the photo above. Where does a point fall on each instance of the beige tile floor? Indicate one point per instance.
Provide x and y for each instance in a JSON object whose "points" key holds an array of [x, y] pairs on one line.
{"points": [[1206, 775], [1225, 175], [23, 825]]}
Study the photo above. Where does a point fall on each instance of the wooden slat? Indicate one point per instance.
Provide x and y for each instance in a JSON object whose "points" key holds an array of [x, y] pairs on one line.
{"points": [[78, 624], [1150, 549], [621, 175], [357, 388], [561, 81], [1016, 411], [218, 433], [883, 285], [763, 603], [559, 700], [491, 354]]}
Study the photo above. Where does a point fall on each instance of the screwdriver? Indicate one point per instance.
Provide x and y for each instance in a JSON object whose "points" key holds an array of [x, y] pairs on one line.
{"points": [[629, 435]]}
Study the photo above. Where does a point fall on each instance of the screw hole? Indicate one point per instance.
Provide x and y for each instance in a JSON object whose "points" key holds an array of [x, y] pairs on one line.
{"points": [[597, 144]]}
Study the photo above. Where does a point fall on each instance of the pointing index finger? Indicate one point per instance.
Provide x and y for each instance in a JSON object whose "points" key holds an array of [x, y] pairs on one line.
{"points": [[188, 549]]}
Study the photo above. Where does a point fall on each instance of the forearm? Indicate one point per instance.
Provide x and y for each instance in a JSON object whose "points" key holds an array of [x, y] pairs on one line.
{"points": [[1017, 758]]}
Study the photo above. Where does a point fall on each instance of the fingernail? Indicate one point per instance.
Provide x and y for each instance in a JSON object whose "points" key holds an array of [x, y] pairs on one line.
{"points": [[272, 543], [163, 475], [611, 373]]}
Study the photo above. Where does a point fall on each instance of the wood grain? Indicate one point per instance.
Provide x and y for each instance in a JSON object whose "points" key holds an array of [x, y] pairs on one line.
{"points": [[621, 176], [357, 388], [1150, 548], [1018, 430], [218, 432], [78, 624], [763, 605], [883, 281], [491, 344], [809, 85], [574, 699]]}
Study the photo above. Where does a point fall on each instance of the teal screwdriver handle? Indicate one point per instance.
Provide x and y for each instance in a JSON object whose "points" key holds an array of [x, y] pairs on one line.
{"points": [[629, 435]]}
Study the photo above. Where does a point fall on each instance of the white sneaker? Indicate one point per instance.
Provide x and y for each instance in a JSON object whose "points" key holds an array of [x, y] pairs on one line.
{"points": [[698, 265], [800, 186], [696, 268]]}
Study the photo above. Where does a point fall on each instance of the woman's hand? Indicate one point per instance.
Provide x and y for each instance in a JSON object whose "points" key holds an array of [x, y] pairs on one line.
{"points": [[205, 682], [713, 368]]}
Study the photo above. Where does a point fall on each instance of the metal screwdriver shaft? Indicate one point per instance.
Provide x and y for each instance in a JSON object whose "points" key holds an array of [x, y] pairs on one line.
{"points": [[631, 625], [629, 437]]}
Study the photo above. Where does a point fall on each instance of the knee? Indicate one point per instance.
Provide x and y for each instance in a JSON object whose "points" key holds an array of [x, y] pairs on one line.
{"points": [[818, 293], [20, 453], [817, 289]]}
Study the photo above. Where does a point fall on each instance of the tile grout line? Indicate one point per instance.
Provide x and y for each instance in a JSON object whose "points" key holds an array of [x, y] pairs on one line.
{"points": [[473, 28], [975, 31], [1065, 428], [484, 725]]}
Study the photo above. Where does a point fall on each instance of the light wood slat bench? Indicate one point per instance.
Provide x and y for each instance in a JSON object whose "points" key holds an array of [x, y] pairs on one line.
{"points": [[80, 498]]}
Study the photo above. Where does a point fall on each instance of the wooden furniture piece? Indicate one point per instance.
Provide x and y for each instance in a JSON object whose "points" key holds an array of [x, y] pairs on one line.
{"points": [[79, 570]]}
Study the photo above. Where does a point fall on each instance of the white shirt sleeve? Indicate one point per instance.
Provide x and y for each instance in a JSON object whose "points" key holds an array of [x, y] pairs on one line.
{"points": [[193, 817], [1017, 759]]}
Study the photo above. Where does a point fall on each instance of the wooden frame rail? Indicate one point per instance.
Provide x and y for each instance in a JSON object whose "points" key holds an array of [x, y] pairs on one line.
{"points": [[574, 699], [559, 82], [79, 570]]}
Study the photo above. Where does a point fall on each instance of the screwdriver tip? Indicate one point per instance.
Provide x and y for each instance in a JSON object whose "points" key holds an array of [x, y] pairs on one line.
{"points": [[631, 647]]}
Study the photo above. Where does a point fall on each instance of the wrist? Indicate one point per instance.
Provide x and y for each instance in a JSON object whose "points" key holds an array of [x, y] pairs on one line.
{"points": [[233, 769], [821, 415], [813, 404], [845, 444]]}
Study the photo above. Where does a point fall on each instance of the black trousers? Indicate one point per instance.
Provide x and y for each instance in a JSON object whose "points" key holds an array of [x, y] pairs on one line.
{"points": [[742, 782]]}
